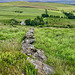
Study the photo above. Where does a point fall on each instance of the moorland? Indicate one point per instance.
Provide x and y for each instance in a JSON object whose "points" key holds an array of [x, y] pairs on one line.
{"points": [[56, 38]]}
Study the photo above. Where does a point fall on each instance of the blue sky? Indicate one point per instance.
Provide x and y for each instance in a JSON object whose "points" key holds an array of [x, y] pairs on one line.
{"points": [[35, 0]]}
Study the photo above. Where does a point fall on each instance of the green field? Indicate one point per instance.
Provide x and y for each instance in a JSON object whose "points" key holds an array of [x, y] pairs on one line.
{"points": [[55, 39], [53, 6], [30, 10]]}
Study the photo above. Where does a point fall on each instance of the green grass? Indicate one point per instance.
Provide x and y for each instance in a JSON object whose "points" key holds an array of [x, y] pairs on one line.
{"points": [[58, 44], [9, 32], [15, 63], [53, 6], [12, 61], [59, 47], [7, 13], [60, 22]]}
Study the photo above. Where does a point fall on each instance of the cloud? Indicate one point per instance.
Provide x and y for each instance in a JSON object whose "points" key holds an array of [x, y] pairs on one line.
{"points": [[36, 0]]}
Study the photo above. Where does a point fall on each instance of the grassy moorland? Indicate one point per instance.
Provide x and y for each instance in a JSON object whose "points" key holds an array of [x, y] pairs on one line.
{"points": [[57, 43], [53, 6], [12, 61], [9, 11]]}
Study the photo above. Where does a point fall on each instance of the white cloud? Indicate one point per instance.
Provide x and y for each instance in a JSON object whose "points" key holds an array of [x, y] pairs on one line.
{"points": [[35, 0]]}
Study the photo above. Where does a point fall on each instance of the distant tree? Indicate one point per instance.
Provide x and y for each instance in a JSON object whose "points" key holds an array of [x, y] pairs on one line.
{"points": [[62, 17], [69, 15], [33, 23], [37, 21], [70, 26], [18, 11], [45, 15], [28, 22], [41, 19], [46, 11], [46, 22], [57, 16], [54, 16], [51, 16], [38, 17]]}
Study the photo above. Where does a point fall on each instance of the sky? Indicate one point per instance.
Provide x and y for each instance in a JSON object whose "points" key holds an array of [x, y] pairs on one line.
{"points": [[37, 0]]}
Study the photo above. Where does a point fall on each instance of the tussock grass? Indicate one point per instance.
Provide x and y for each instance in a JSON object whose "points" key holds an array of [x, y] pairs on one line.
{"points": [[12, 61], [15, 63], [58, 45]]}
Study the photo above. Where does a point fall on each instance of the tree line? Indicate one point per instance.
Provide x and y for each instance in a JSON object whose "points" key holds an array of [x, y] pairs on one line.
{"points": [[53, 16], [37, 21], [69, 15], [40, 20]]}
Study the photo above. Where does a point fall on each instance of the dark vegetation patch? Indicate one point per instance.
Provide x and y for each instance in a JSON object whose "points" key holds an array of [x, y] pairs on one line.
{"points": [[18, 11], [69, 15], [47, 20], [35, 22]]}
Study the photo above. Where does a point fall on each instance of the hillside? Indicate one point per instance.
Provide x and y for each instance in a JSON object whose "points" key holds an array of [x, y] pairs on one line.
{"points": [[54, 6], [8, 11], [54, 1], [56, 38]]}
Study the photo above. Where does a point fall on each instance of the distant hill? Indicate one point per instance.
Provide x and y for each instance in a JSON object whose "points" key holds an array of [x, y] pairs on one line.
{"points": [[42, 5], [63, 2], [54, 1], [72, 4]]}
